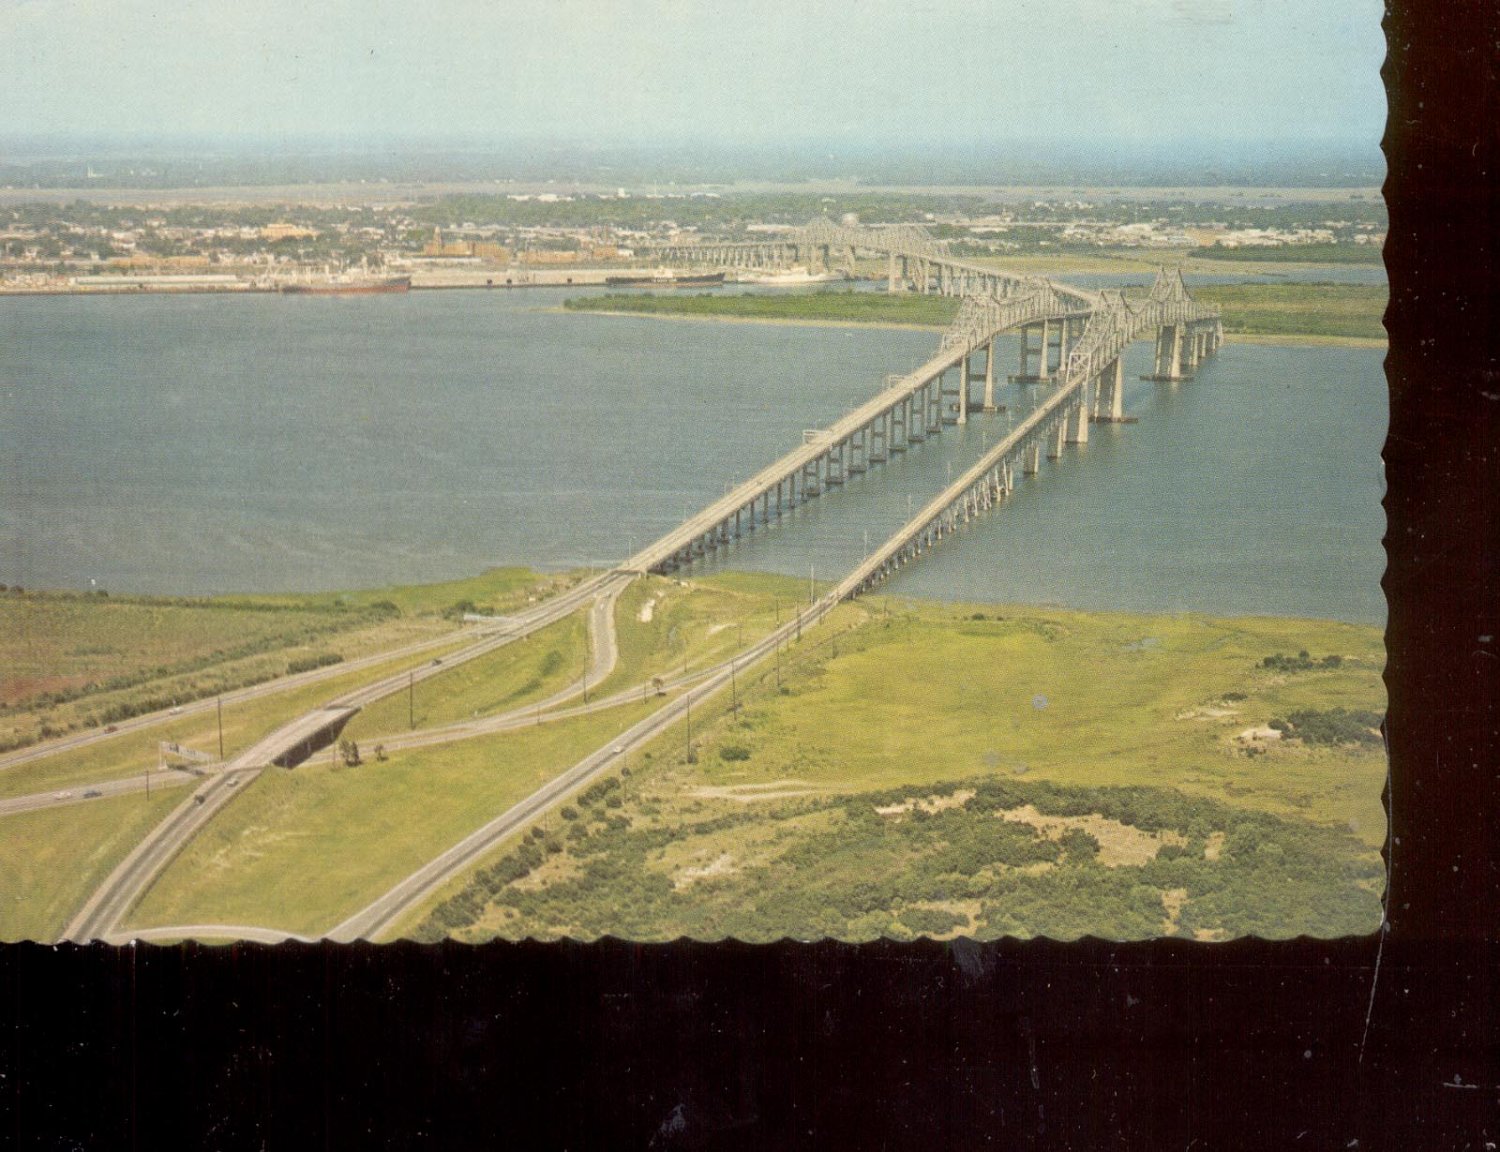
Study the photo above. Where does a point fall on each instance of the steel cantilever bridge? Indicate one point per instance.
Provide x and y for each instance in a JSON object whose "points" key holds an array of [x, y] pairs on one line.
{"points": [[1072, 338]]}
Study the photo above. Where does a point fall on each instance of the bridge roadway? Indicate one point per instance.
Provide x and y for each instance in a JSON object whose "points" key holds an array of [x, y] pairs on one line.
{"points": [[906, 412], [1094, 361], [914, 259], [108, 905], [1094, 364]]}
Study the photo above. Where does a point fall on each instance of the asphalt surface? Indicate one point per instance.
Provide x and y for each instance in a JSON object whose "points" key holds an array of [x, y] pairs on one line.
{"points": [[101, 915], [383, 913], [208, 704]]}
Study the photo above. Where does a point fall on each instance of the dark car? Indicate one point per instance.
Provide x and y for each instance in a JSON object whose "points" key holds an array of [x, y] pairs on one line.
{"points": [[91, 793]]}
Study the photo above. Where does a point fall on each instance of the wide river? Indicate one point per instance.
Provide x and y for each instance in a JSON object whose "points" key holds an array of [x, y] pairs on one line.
{"points": [[196, 444]]}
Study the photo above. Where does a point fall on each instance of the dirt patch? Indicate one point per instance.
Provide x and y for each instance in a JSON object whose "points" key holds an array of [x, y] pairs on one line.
{"points": [[553, 870], [721, 865], [648, 610], [1261, 735], [1213, 848], [1207, 712], [15, 689], [929, 804], [715, 629], [1172, 901], [749, 793], [1119, 844]]}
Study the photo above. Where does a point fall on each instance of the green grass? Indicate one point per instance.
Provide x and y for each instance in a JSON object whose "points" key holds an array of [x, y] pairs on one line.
{"points": [[522, 671], [1348, 310], [1089, 715], [304, 848], [844, 306], [53, 859], [1296, 254], [70, 661], [1294, 309], [695, 623], [244, 723], [73, 662]]}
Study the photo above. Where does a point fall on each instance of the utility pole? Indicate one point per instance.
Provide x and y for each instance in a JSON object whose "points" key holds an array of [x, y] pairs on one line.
{"points": [[411, 699], [220, 703], [689, 699], [734, 691]]}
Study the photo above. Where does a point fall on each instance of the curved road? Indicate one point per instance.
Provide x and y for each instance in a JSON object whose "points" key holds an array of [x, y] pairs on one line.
{"points": [[101, 914], [380, 915], [208, 703]]}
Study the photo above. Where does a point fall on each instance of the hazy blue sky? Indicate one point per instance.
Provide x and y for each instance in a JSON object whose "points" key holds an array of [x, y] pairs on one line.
{"points": [[714, 70]]}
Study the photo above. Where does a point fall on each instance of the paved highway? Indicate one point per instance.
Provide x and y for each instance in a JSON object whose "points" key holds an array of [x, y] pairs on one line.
{"points": [[254, 692], [382, 914], [102, 913], [83, 793]]}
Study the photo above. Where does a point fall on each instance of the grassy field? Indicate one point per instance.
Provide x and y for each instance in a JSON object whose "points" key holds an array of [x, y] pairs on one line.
{"points": [[523, 671], [304, 848], [665, 625], [1027, 772], [1300, 254], [843, 306], [1289, 310], [53, 859], [244, 723], [1343, 310], [70, 661]]}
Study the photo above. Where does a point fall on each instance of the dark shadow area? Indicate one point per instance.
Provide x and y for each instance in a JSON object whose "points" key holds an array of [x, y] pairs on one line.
{"points": [[1389, 1041]]}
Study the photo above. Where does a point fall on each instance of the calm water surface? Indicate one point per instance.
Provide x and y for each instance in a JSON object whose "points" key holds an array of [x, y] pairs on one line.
{"points": [[205, 444]]}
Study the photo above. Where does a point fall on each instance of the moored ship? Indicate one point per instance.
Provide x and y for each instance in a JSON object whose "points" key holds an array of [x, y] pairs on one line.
{"points": [[666, 278], [348, 286]]}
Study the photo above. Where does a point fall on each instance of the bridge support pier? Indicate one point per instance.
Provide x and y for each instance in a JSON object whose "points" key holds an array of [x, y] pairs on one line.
{"points": [[1109, 398], [1078, 417], [1031, 457], [1056, 435], [989, 376], [1168, 363]]}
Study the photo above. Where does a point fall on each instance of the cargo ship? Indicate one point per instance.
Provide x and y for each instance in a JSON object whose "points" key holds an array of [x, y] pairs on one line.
{"points": [[349, 286], [666, 278], [793, 277]]}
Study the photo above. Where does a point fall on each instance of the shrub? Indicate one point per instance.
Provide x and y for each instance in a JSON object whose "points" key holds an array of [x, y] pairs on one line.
{"points": [[930, 920], [734, 752], [308, 663]]}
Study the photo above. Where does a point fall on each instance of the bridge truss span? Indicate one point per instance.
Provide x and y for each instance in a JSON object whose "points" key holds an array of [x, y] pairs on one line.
{"points": [[1091, 390], [906, 412]]}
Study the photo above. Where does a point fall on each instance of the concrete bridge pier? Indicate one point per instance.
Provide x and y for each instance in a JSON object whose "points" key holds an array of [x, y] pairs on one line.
{"points": [[1043, 355], [1031, 457], [1109, 395], [961, 416], [989, 376], [1056, 438], [859, 451], [893, 285], [879, 430], [1078, 417], [1168, 363]]}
